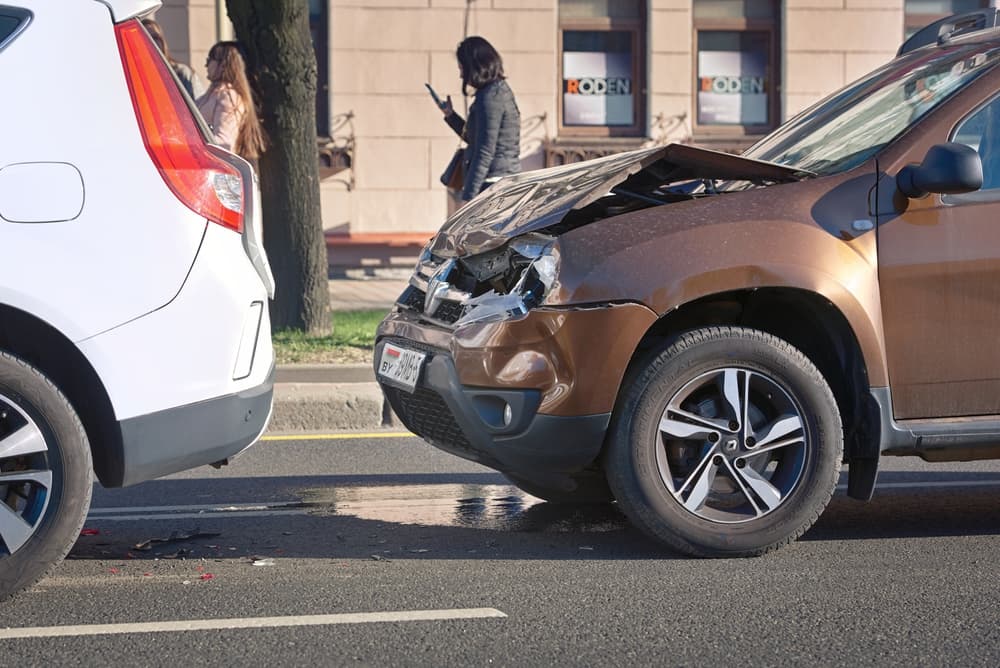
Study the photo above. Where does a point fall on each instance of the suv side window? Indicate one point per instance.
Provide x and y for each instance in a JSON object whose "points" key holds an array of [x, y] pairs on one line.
{"points": [[12, 21], [981, 131]]}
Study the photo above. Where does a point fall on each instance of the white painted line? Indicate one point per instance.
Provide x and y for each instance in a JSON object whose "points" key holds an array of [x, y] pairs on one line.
{"points": [[249, 623], [216, 507], [196, 516], [935, 483], [193, 511], [339, 437], [240, 510]]}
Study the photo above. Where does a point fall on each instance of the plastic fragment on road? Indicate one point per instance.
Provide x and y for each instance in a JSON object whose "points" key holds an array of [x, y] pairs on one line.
{"points": [[206, 576], [90, 532], [174, 537], [263, 562]]}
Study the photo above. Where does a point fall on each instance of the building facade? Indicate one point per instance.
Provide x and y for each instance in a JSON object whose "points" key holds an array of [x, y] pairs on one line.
{"points": [[590, 77]]}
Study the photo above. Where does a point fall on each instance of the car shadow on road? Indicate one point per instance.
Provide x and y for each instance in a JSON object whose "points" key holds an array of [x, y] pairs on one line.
{"points": [[477, 516]]}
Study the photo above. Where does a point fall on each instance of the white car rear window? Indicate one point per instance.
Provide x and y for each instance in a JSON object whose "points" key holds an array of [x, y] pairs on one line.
{"points": [[12, 21]]}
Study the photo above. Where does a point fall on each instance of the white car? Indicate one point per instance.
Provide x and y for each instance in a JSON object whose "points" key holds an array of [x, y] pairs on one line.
{"points": [[134, 332]]}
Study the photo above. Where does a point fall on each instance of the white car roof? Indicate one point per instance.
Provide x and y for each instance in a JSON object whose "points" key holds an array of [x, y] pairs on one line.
{"points": [[126, 9]]}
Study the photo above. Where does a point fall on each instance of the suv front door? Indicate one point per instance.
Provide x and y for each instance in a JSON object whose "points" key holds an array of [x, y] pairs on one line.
{"points": [[939, 277]]}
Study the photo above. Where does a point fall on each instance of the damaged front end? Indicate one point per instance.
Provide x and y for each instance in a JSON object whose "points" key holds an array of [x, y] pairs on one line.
{"points": [[480, 360], [496, 258], [496, 285]]}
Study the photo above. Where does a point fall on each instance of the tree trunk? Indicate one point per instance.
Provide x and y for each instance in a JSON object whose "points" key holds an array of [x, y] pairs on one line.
{"points": [[282, 70]]}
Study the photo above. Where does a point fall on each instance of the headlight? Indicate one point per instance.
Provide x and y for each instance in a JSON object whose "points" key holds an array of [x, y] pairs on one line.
{"points": [[534, 283]]}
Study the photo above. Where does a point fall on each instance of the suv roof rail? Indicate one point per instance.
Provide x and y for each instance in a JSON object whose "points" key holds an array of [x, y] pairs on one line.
{"points": [[950, 27]]}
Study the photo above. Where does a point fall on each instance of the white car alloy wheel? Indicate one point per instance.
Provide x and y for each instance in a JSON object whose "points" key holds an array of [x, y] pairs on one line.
{"points": [[45, 475], [25, 476]]}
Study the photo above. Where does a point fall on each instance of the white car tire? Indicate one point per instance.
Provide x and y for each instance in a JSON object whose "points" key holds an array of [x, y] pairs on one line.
{"points": [[45, 475]]}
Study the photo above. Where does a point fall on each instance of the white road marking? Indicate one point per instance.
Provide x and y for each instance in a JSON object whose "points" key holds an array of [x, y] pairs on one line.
{"points": [[249, 623], [194, 516], [242, 510], [933, 483], [214, 507], [338, 437], [189, 512]]}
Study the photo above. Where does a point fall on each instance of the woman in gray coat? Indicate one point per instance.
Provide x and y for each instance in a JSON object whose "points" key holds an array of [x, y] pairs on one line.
{"points": [[493, 131]]}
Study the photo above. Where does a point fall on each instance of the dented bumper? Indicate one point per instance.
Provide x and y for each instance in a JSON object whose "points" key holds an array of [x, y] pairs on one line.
{"points": [[530, 395]]}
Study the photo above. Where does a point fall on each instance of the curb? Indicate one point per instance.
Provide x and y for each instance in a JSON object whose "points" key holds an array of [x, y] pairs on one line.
{"points": [[310, 398]]}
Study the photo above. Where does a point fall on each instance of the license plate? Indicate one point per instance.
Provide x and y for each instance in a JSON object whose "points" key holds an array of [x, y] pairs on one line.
{"points": [[401, 366]]}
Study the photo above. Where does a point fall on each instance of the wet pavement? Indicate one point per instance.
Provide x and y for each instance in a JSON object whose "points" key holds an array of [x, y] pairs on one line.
{"points": [[356, 524], [483, 507]]}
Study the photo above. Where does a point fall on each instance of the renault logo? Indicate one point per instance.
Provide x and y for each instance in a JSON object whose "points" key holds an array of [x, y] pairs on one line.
{"points": [[437, 287]]}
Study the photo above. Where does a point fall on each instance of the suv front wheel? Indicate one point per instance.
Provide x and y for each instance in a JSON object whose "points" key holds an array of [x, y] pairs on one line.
{"points": [[45, 475], [727, 443]]}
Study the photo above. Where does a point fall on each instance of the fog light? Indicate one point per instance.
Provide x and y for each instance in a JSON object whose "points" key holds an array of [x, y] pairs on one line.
{"points": [[508, 415]]}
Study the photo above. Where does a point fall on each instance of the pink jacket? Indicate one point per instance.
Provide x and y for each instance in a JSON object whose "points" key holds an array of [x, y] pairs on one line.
{"points": [[223, 110]]}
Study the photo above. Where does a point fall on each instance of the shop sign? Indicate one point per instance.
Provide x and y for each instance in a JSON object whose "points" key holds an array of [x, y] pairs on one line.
{"points": [[597, 88], [732, 88]]}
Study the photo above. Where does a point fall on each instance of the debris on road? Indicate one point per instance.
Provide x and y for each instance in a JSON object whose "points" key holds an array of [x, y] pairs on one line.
{"points": [[175, 537], [90, 532], [260, 561]]}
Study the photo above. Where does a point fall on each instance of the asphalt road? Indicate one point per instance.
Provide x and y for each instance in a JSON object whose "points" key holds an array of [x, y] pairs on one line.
{"points": [[300, 541]]}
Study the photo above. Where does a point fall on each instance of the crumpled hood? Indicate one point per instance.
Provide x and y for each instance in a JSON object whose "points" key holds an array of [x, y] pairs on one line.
{"points": [[532, 201]]}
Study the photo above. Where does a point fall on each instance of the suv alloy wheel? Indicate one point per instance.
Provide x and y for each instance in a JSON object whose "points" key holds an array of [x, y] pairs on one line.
{"points": [[728, 443]]}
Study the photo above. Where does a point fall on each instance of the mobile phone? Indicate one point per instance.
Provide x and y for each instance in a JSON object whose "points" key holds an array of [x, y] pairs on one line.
{"points": [[437, 100]]}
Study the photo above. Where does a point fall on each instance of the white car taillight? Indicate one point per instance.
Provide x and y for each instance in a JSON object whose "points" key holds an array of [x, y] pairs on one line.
{"points": [[202, 181]]}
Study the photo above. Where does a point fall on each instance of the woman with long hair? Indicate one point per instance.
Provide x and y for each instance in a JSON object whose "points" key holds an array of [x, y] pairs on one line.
{"points": [[228, 106], [192, 83], [493, 129]]}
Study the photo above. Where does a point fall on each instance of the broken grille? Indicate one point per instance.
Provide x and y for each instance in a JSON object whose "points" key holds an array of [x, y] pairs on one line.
{"points": [[447, 311]]}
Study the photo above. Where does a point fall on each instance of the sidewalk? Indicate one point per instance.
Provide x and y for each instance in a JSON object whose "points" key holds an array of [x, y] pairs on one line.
{"points": [[357, 294], [332, 397]]}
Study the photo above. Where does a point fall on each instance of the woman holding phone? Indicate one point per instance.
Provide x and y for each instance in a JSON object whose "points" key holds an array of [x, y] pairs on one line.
{"points": [[493, 130]]}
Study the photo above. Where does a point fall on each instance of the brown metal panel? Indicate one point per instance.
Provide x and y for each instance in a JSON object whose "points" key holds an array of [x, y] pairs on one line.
{"points": [[798, 235], [940, 283], [576, 357]]}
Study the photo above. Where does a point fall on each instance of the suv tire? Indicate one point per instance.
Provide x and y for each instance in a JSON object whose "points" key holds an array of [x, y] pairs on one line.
{"points": [[727, 442], [45, 475]]}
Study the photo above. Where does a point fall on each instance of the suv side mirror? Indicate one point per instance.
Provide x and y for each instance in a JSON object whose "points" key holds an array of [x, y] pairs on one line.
{"points": [[947, 169]]}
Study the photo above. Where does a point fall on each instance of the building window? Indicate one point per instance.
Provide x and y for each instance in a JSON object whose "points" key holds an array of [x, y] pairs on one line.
{"points": [[319, 30], [736, 80], [919, 13], [602, 49]]}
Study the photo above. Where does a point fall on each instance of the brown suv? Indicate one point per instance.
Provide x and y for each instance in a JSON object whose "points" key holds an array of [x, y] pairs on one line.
{"points": [[705, 338]]}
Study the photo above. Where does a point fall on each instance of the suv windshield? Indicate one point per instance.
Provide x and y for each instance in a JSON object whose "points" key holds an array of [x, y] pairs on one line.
{"points": [[852, 125]]}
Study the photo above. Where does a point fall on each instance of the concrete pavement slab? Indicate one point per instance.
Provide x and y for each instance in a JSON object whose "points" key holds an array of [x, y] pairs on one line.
{"points": [[319, 397], [324, 373], [351, 294], [322, 406]]}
